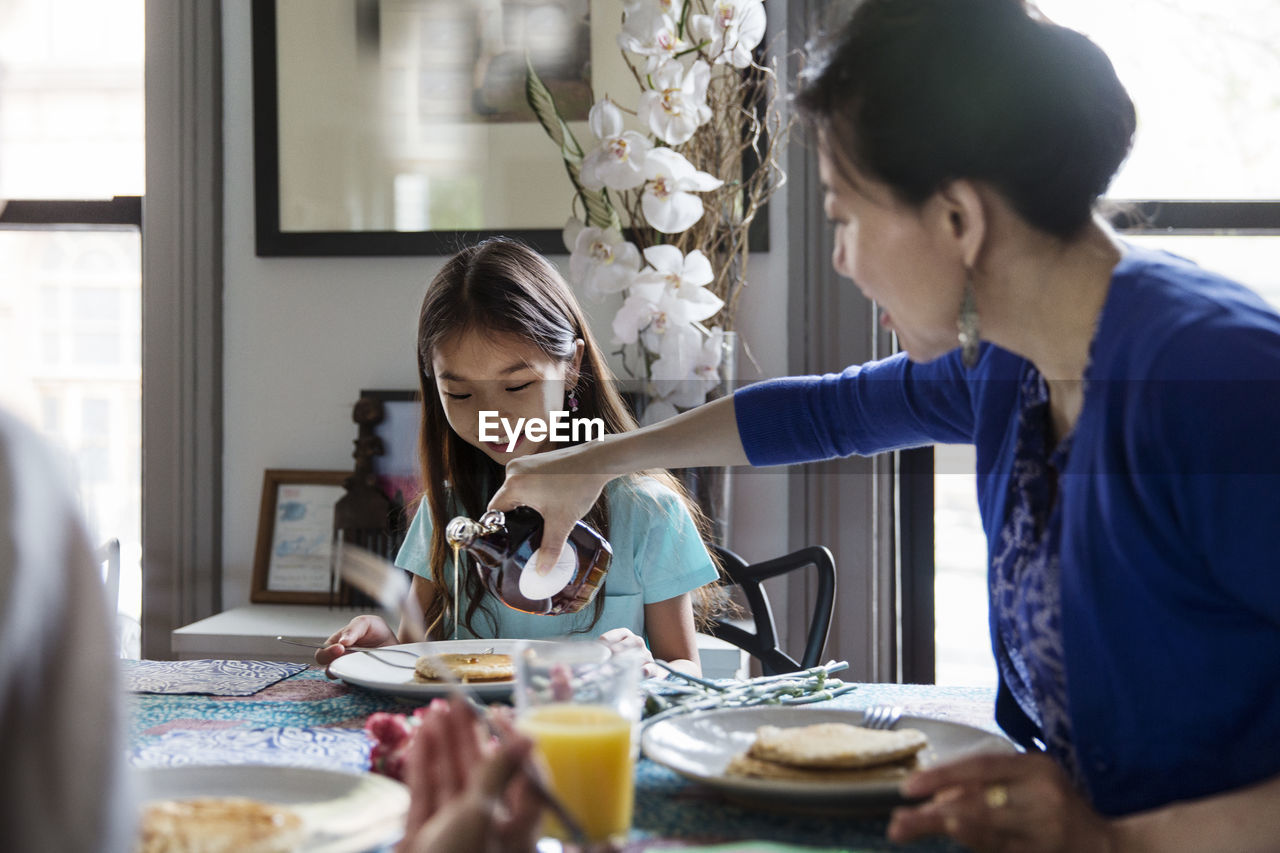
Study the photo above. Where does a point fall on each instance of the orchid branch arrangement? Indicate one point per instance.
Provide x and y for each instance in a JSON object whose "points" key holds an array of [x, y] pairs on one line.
{"points": [[662, 213]]}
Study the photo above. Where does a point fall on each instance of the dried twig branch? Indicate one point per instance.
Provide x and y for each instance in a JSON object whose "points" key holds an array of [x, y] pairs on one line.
{"points": [[742, 145]]}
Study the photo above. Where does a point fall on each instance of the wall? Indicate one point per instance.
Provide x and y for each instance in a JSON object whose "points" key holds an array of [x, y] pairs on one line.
{"points": [[303, 335]]}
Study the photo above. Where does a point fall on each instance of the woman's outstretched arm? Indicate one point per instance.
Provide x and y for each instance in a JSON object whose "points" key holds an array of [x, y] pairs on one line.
{"points": [[563, 485]]}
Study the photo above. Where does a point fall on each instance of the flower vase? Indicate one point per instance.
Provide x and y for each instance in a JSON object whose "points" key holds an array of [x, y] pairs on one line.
{"points": [[710, 486]]}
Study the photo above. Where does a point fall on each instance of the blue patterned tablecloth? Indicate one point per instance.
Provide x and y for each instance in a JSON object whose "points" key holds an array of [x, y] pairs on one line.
{"points": [[307, 720]]}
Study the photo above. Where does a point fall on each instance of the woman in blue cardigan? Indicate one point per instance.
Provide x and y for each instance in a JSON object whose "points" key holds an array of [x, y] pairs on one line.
{"points": [[1124, 408]]}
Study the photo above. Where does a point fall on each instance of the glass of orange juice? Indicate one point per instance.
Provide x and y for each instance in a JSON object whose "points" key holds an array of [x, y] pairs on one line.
{"points": [[580, 704]]}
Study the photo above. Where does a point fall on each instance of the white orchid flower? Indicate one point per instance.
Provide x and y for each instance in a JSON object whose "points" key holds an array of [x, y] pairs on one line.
{"points": [[705, 370], [638, 311], [688, 394], [603, 262], [653, 34], [640, 8], [676, 106], [619, 161], [706, 363], [674, 363], [694, 367], [651, 311], [732, 30], [572, 228], [686, 274], [672, 371], [673, 314], [656, 410], [639, 16], [683, 276], [668, 202]]}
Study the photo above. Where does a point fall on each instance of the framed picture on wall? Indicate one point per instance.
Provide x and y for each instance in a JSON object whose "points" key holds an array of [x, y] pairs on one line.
{"points": [[293, 560]]}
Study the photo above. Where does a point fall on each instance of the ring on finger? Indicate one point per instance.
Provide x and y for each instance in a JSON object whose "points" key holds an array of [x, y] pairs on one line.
{"points": [[996, 796]]}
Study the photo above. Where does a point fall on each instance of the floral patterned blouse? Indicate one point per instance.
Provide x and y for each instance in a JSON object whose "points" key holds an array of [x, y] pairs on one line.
{"points": [[1026, 581]]}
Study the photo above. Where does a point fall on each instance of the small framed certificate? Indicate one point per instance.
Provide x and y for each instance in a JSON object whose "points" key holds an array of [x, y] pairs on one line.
{"points": [[294, 556]]}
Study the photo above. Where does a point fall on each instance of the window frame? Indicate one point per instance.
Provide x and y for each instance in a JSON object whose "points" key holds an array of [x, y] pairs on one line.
{"points": [[51, 214]]}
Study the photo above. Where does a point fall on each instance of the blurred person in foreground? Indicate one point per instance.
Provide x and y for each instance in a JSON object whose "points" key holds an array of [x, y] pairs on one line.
{"points": [[61, 745]]}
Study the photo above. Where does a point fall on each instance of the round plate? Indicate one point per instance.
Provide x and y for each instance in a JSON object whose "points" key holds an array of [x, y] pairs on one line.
{"points": [[343, 812], [699, 746], [367, 671]]}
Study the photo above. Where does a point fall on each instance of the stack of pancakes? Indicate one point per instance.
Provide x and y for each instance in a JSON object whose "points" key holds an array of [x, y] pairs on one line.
{"points": [[829, 752]]}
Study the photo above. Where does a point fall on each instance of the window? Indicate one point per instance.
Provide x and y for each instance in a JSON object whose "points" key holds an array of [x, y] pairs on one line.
{"points": [[1206, 82], [71, 160]]}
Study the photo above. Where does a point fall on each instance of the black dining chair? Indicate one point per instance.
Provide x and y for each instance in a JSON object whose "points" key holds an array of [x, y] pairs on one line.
{"points": [[763, 643]]}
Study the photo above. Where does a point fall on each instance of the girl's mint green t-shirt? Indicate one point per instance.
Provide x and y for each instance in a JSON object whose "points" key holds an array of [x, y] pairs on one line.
{"points": [[657, 554]]}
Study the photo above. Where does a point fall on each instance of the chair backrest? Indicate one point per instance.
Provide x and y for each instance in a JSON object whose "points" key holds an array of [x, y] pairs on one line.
{"points": [[108, 555], [763, 644]]}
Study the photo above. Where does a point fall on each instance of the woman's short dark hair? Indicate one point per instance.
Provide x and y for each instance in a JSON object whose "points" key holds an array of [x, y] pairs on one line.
{"points": [[916, 93]]}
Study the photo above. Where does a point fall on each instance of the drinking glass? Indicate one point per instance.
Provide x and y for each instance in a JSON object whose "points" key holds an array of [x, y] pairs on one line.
{"points": [[581, 704]]}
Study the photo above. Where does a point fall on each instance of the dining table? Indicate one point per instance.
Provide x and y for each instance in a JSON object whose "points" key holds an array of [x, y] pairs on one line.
{"points": [[293, 715]]}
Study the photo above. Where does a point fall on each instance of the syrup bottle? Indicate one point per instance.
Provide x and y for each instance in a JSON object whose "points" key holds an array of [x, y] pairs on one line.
{"points": [[503, 545]]}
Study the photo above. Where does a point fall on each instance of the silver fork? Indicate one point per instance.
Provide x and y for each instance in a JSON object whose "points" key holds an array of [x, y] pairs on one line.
{"points": [[374, 652], [881, 716]]}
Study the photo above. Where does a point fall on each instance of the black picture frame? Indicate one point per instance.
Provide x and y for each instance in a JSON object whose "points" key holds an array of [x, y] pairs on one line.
{"points": [[271, 241]]}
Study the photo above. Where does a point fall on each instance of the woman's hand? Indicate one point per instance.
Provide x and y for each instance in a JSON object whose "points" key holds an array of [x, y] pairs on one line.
{"points": [[468, 794], [624, 640], [1019, 803], [564, 484], [558, 485], [360, 631]]}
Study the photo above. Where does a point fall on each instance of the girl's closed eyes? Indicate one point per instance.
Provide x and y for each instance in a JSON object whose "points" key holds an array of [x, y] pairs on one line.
{"points": [[464, 396]]}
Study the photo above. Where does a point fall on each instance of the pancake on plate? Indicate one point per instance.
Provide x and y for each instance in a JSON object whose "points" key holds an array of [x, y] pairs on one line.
{"points": [[756, 768], [219, 825], [830, 752], [466, 667]]}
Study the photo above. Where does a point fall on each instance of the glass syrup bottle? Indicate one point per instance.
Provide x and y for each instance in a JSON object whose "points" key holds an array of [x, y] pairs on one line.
{"points": [[503, 545]]}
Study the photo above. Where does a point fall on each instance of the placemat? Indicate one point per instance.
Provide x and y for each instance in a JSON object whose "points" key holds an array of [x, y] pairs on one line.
{"points": [[207, 677]]}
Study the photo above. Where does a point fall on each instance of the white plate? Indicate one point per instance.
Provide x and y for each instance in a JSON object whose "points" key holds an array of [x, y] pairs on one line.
{"points": [[343, 812], [365, 670], [699, 746]]}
